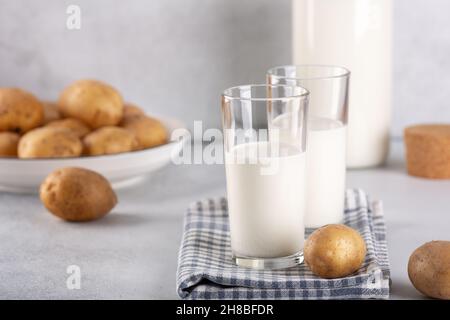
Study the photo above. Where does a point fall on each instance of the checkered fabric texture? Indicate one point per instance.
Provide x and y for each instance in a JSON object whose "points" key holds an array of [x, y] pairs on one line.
{"points": [[205, 269]]}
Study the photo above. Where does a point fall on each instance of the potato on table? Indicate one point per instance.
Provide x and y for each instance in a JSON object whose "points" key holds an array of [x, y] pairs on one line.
{"points": [[109, 140], [95, 103], [149, 131], [429, 269], [76, 126], [8, 144], [77, 194], [48, 142], [20, 111]]}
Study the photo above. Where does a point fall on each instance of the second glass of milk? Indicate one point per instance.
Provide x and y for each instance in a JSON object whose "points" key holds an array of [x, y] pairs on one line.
{"points": [[265, 173], [327, 128]]}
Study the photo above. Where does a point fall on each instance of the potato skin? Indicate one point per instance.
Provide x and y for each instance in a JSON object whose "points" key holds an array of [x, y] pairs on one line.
{"points": [[131, 110], [429, 269], [109, 140], [148, 131], [334, 251], [51, 112], [48, 142], [77, 194], [95, 103], [20, 111], [8, 144], [76, 126]]}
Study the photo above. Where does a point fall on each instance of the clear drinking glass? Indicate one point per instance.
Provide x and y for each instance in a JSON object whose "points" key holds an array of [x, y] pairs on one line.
{"points": [[327, 130], [264, 145]]}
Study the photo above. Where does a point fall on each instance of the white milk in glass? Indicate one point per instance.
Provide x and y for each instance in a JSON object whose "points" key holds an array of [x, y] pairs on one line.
{"points": [[325, 168], [325, 173], [265, 200]]}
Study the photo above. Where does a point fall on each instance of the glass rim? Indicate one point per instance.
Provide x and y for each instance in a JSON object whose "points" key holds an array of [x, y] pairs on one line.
{"points": [[229, 96], [343, 74]]}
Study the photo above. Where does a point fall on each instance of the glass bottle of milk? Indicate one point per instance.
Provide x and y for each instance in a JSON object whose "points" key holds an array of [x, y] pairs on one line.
{"points": [[355, 34]]}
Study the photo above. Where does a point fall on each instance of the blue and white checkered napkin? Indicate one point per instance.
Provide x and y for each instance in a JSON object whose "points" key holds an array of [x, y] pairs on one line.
{"points": [[205, 270]]}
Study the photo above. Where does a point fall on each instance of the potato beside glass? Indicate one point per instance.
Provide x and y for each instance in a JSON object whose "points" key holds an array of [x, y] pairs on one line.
{"points": [[334, 251]]}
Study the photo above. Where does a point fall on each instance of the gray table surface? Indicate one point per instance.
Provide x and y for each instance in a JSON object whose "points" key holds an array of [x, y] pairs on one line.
{"points": [[132, 252]]}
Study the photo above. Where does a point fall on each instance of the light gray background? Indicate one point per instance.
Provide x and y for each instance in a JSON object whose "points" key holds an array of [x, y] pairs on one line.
{"points": [[174, 57]]}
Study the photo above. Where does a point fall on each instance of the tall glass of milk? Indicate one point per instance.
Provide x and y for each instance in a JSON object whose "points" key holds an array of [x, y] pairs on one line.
{"points": [[327, 127], [265, 173]]}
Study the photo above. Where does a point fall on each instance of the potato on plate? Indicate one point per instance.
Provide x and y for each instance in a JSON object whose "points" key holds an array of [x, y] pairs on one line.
{"points": [[76, 126], [109, 140], [8, 144], [95, 103], [51, 112], [77, 194], [131, 111], [20, 111], [48, 142], [148, 131]]}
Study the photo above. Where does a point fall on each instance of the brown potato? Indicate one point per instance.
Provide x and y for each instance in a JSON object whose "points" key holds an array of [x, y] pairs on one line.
{"points": [[51, 112], [8, 144], [76, 126], [149, 132], [77, 194], [109, 140], [95, 103], [429, 269], [131, 110], [20, 111], [48, 142], [334, 251]]}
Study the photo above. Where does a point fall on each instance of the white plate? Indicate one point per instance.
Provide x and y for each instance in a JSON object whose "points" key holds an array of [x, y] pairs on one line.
{"points": [[124, 169]]}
